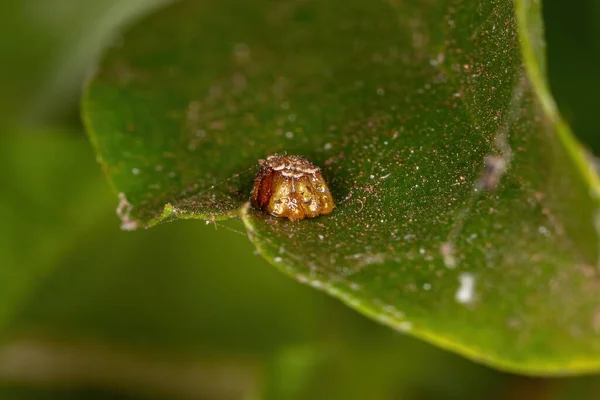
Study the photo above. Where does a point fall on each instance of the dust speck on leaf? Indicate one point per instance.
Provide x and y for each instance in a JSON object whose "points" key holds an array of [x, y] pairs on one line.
{"points": [[543, 230], [495, 166], [123, 212], [466, 290]]}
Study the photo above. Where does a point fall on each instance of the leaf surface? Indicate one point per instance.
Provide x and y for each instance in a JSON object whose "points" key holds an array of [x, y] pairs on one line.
{"points": [[465, 209]]}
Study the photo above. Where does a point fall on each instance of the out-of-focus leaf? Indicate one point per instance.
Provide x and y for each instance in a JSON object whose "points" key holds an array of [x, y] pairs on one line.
{"points": [[48, 46], [573, 36], [51, 194], [465, 209]]}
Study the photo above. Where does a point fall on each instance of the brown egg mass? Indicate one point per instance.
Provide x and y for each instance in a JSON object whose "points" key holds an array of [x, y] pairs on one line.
{"points": [[292, 187]]}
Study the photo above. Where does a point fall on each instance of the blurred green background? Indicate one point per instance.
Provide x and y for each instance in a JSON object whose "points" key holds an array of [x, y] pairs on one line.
{"points": [[188, 310]]}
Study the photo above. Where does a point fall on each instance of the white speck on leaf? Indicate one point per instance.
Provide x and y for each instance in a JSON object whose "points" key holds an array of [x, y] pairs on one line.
{"points": [[466, 291], [316, 284], [390, 309], [543, 230], [123, 211]]}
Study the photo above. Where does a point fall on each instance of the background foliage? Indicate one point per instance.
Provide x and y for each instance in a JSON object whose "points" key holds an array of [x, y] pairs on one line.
{"points": [[185, 299]]}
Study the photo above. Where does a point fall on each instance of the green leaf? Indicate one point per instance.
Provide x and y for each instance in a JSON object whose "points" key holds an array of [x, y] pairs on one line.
{"points": [[465, 209]]}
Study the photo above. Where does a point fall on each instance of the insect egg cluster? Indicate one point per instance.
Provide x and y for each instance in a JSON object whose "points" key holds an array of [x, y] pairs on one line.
{"points": [[291, 187]]}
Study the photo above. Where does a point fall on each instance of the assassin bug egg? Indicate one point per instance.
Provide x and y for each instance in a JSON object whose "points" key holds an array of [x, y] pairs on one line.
{"points": [[291, 187]]}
